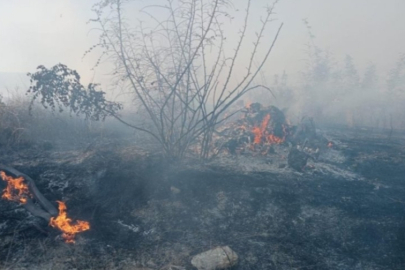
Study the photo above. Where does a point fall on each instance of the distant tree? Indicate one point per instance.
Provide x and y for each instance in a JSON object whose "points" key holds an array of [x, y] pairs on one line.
{"points": [[319, 64], [318, 85], [351, 78], [283, 91], [396, 94], [396, 78], [370, 78]]}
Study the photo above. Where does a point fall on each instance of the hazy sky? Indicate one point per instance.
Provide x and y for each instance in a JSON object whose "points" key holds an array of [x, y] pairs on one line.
{"points": [[34, 32]]}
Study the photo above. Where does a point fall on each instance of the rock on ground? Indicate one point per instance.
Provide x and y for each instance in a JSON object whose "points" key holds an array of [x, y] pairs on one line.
{"points": [[217, 258]]}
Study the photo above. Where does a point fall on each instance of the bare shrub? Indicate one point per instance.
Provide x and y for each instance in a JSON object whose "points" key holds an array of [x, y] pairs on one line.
{"points": [[176, 69], [22, 124], [12, 120]]}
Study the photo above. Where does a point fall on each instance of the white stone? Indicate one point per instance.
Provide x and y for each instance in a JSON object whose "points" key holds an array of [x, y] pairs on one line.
{"points": [[216, 258]]}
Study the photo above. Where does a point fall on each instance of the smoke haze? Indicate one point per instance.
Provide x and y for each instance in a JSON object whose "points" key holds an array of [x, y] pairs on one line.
{"points": [[369, 32]]}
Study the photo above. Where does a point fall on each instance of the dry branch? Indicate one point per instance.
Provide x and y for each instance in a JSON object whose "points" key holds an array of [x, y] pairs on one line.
{"points": [[47, 210]]}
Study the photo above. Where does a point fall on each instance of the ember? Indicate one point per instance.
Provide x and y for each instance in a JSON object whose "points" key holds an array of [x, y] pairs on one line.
{"points": [[17, 190], [63, 223]]}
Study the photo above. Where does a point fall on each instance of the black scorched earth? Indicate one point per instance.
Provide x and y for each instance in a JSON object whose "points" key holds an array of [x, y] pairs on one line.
{"points": [[295, 198]]}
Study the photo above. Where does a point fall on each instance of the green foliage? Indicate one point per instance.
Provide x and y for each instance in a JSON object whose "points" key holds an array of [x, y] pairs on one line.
{"points": [[60, 87]]}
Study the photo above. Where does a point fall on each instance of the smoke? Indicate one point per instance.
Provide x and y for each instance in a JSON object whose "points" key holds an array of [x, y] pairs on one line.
{"points": [[344, 68], [337, 92]]}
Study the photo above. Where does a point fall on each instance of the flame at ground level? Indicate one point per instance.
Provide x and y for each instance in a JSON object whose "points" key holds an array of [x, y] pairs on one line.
{"points": [[261, 133], [17, 190], [65, 224]]}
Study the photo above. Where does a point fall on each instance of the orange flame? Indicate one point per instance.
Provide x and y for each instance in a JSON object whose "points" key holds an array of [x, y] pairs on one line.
{"points": [[63, 223], [330, 144], [262, 133], [16, 190], [259, 131], [274, 139]]}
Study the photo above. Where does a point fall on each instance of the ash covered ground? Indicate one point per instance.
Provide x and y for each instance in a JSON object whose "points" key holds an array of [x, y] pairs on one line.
{"points": [[344, 210]]}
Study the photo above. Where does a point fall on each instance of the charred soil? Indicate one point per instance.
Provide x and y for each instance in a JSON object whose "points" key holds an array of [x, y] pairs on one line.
{"points": [[344, 211]]}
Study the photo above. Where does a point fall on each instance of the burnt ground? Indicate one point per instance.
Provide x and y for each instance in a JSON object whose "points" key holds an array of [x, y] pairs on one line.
{"points": [[345, 211]]}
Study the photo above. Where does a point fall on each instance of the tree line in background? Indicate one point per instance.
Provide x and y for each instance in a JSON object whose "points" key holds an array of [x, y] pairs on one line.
{"points": [[337, 93]]}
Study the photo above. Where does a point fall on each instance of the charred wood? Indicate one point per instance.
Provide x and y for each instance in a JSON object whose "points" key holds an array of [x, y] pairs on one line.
{"points": [[44, 208]]}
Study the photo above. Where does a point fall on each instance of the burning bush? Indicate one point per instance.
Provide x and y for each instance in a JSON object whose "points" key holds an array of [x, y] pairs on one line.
{"points": [[259, 128]]}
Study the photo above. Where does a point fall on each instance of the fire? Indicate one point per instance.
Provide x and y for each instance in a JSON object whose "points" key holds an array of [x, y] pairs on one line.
{"points": [[261, 133], [330, 144], [17, 190], [274, 139], [65, 224]]}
